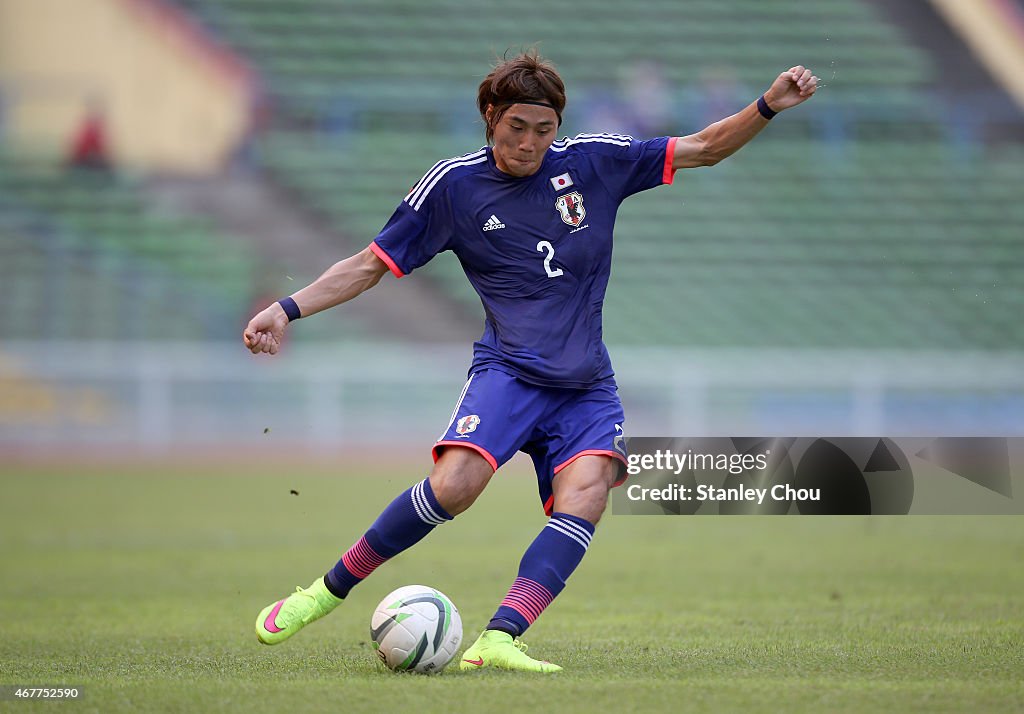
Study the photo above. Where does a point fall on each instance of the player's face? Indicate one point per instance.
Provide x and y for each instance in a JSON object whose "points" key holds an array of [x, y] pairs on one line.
{"points": [[522, 137]]}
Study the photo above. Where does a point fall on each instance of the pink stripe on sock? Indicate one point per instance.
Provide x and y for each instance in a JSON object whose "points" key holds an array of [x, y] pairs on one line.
{"points": [[361, 559], [530, 612], [534, 588], [529, 598]]}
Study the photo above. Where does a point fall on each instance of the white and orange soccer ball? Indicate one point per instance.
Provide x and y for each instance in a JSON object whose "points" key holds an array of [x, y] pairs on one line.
{"points": [[416, 629]]}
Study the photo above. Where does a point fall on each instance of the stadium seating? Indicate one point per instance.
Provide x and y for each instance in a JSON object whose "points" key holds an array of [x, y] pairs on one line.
{"points": [[842, 256], [86, 256], [816, 236], [882, 248], [326, 45]]}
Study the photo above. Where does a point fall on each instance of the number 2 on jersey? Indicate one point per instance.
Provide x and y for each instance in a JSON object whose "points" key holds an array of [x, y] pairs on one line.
{"points": [[546, 246]]}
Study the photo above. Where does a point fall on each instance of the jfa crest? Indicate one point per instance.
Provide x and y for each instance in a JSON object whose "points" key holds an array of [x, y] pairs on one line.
{"points": [[570, 206], [466, 425]]}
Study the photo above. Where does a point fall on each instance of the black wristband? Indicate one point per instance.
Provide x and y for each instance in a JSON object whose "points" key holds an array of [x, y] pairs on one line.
{"points": [[766, 111], [290, 309]]}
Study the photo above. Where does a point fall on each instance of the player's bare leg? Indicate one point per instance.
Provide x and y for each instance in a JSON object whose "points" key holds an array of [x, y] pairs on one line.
{"points": [[581, 488], [459, 477]]}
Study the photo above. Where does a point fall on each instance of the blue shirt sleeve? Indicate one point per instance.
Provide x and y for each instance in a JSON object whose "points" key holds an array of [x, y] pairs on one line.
{"points": [[412, 236], [629, 165]]}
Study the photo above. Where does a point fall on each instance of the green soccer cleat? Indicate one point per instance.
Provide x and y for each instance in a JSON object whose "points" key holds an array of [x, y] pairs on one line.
{"points": [[281, 620], [497, 649]]}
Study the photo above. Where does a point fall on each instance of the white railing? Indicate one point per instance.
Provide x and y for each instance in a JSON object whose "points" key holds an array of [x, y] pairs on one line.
{"points": [[176, 396]]}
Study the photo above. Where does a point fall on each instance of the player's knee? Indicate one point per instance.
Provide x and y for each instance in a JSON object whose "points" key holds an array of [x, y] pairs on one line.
{"points": [[582, 489], [586, 500], [590, 501], [452, 498], [458, 478]]}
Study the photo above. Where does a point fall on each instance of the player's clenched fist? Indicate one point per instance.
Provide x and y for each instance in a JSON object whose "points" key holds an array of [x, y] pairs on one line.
{"points": [[264, 332], [792, 87]]}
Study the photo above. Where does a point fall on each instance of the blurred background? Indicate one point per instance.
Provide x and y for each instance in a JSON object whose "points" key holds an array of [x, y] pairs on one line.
{"points": [[169, 167]]}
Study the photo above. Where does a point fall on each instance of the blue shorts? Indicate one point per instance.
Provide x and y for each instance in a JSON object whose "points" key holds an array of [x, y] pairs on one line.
{"points": [[498, 415]]}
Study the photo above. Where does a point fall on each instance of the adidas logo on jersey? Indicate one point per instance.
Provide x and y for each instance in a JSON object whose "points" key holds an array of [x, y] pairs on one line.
{"points": [[493, 223]]}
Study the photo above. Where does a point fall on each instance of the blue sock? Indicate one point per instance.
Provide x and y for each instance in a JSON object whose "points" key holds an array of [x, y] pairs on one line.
{"points": [[546, 565], [403, 524]]}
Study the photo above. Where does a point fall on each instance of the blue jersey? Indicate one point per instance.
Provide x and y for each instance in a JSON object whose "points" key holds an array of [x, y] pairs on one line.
{"points": [[537, 249]]}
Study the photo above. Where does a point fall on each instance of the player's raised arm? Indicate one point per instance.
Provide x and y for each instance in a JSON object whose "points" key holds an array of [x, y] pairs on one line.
{"points": [[340, 283], [725, 137]]}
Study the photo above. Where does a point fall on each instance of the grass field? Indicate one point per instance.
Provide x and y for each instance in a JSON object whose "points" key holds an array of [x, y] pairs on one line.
{"points": [[142, 584]]}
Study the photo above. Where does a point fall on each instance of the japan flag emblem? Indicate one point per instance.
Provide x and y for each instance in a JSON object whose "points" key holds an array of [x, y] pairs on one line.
{"points": [[561, 181]]}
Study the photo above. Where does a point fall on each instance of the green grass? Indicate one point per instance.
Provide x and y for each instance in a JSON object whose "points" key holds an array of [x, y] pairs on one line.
{"points": [[143, 583]]}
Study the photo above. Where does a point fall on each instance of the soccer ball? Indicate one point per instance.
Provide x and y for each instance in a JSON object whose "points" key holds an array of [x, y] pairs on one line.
{"points": [[416, 629]]}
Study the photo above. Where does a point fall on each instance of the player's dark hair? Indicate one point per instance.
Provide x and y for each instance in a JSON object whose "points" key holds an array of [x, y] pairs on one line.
{"points": [[528, 77]]}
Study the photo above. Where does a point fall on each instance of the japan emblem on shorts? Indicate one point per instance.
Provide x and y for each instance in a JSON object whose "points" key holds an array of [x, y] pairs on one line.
{"points": [[570, 206], [466, 425]]}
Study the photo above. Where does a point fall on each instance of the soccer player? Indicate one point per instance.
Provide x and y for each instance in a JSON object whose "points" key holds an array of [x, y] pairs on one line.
{"points": [[530, 218]]}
